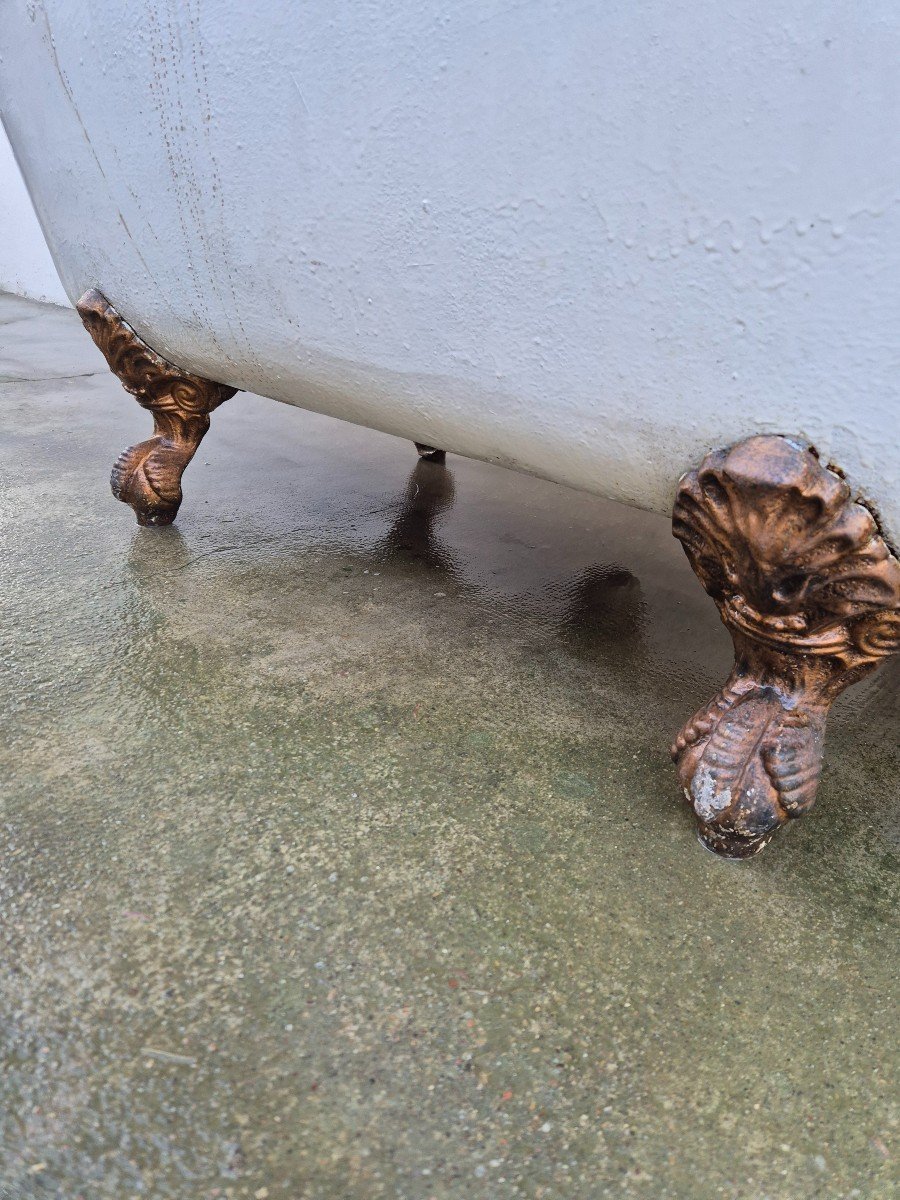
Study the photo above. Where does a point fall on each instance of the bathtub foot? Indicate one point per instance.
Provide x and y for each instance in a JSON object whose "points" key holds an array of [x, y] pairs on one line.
{"points": [[429, 453], [148, 476], [810, 593]]}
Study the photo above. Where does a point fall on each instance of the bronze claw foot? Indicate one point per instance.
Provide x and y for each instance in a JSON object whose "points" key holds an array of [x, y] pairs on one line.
{"points": [[148, 476], [810, 593], [429, 452]]}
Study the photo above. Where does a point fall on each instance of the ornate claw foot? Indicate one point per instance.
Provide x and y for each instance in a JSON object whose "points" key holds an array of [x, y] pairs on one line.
{"points": [[430, 453], [148, 476], [810, 594]]}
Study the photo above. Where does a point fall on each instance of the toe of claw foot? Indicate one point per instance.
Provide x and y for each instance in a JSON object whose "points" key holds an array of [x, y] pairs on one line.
{"points": [[132, 481], [430, 453], [737, 824], [748, 766]]}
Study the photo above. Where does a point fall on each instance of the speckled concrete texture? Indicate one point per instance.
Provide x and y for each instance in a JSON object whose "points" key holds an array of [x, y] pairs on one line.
{"points": [[340, 852]]}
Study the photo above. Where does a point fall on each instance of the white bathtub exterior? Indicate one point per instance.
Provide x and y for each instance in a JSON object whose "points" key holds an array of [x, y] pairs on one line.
{"points": [[590, 240]]}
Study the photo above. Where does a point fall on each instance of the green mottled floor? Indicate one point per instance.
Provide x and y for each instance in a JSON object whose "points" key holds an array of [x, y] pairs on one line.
{"points": [[351, 790]]}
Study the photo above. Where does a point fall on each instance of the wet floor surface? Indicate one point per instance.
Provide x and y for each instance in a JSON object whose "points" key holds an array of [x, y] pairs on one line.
{"points": [[341, 855]]}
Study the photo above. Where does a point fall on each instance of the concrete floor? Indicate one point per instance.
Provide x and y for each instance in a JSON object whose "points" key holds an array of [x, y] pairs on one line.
{"points": [[341, 855]]}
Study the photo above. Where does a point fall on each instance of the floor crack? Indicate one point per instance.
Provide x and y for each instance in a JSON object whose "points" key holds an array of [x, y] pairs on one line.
{"points": [[49, 378]]}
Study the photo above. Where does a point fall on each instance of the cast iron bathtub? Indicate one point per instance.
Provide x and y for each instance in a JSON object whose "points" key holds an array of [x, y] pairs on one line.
{"points": [[648, 251]]}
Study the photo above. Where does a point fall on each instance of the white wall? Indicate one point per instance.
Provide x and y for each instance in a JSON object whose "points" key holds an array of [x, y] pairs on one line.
{"points": [[26, 267]]}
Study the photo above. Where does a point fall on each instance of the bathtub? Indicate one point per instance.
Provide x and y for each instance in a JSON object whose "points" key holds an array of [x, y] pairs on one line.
{"points": [[598, 243]]}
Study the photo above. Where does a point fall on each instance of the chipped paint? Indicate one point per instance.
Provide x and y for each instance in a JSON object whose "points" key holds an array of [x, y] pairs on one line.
{"points": [[708, 801]]}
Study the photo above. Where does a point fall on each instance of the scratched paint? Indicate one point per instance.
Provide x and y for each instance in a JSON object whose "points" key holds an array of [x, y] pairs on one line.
{"points": [[587, 242]]}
